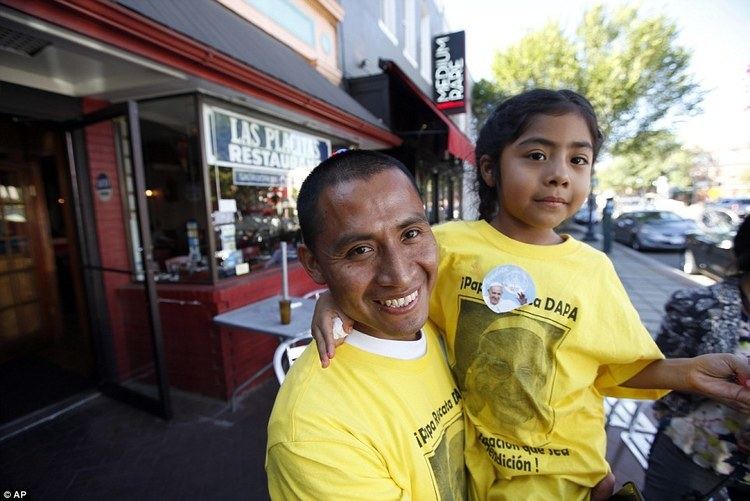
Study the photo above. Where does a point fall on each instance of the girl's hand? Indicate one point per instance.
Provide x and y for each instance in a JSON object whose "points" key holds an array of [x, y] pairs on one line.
{"points": [[321, 329], [604, 489], [723, 377]]}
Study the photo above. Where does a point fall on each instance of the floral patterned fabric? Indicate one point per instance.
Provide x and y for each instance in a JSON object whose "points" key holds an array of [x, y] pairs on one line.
{"points": [[698, 321]]}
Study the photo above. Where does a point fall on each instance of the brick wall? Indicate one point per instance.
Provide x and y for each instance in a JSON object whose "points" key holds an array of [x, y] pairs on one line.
{"points": [[110, 229], [200, 356]]}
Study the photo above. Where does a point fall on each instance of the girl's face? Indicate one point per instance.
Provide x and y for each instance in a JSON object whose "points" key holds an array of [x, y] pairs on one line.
{"points": [[545, 177]]}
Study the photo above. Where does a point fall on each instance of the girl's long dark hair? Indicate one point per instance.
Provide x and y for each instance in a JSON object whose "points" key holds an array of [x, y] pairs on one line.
{"points": [[510, 119]]}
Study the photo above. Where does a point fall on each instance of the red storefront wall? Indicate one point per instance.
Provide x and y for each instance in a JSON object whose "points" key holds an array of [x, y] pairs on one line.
{"points": [[200, 356]]}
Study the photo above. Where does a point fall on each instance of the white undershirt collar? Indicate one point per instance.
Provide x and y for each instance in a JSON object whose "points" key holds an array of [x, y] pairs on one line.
{"points": [[402, 350]]}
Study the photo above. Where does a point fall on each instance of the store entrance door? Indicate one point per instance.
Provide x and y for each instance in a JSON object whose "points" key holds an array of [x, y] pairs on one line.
{"points": [[109, 191], [46, 361]]}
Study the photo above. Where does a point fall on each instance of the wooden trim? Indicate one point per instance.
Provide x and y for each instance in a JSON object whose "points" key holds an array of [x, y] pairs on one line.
{"points": [[332, 8], [115, 25]]}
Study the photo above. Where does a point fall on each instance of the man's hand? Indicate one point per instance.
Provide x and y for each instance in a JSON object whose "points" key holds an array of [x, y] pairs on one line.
{"points": [[322, 327]]}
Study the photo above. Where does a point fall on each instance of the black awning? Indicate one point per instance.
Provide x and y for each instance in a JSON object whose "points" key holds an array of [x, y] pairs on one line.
{"points": [[458, 145], [212, 24]]}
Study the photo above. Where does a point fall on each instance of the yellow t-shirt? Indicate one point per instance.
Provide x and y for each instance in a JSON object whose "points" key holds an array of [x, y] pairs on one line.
{"points": [[533, 378], [368, 427]]}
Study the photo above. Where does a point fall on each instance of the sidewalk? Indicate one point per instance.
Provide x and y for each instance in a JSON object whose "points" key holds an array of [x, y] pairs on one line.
{"points": [[107, 450]]}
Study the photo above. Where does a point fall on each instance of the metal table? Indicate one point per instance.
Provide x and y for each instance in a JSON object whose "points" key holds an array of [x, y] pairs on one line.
{"points": [[263, 317]]}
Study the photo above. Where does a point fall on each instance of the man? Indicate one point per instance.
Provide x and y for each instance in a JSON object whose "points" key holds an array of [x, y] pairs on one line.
{"points": [[498, 304], [496, 293], [385, 421]]}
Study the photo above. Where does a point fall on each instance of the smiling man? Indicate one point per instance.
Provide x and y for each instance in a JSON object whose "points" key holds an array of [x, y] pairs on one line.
{"points": [[385, 421]]}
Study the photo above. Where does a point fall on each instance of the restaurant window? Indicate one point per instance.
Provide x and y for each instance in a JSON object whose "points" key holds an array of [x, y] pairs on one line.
{"points": [[174, 189], [255, 169], [456, 190], [445, 197], [427, 188]]}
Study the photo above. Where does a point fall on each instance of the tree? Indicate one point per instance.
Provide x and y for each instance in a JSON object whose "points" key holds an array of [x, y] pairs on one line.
{"points": [[630, 68], [660, 154]]}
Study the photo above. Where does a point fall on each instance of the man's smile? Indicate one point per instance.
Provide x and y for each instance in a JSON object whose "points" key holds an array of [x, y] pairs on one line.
{"points": [[400, 302]]}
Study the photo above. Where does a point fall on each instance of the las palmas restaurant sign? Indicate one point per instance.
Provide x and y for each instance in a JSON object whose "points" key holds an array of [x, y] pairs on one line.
{"points": [[259, 153], [449, 70]]}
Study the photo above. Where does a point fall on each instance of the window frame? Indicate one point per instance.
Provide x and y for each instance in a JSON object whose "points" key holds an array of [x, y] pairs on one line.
{"points": [[387, 19]]}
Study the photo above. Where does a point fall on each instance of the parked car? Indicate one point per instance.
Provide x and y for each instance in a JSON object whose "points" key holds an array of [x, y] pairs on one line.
{"points": [[628, 204], [738, 205], [653, 229], [709, 249], [582, 216]]}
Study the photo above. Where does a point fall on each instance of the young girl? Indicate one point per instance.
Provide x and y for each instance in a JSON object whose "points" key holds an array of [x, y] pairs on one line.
{"points": [[533, 377]]}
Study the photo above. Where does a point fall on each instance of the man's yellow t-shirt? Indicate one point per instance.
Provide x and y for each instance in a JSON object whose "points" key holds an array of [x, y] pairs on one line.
{"points": [[533, 379], [368, 427]]}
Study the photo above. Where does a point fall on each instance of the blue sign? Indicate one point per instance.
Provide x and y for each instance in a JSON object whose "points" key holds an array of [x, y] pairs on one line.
{"points": [[103, 187], [243, 177]]}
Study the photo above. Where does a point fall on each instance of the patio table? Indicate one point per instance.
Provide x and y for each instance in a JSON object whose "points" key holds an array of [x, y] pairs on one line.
{"points": [[263, 316]]}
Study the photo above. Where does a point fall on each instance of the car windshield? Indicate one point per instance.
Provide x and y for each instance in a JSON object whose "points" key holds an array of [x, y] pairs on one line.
{"points": [[717, 221]]}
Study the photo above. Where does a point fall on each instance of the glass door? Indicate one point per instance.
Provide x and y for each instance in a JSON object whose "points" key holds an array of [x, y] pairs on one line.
{"points": [[109, 193], [21, 297]]}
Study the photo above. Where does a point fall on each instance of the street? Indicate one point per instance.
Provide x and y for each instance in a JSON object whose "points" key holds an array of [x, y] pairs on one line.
{"points": [[673, 259], [670, 258]]}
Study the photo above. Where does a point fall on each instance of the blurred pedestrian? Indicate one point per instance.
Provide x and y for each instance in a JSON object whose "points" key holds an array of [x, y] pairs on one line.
{"points": [[698, 438]]}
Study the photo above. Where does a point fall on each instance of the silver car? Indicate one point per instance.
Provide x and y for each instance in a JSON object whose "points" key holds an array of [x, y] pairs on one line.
{"points": [[653, 229]]}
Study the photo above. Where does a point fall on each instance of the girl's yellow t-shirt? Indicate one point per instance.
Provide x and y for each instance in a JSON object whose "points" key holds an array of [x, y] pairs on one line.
{"points": [[533, 379]]}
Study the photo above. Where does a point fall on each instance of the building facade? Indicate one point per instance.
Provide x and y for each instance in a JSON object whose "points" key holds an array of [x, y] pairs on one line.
{"points": [[387, 64], [150, 156]]}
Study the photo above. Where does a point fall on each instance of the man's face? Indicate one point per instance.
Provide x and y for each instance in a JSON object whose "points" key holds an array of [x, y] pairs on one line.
{"points": [[376, 253], [496, 292]]}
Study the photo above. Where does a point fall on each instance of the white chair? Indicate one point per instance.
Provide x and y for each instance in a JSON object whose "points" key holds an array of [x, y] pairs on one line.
{"points": [[315, 294], [639, 431], [286, 354]]}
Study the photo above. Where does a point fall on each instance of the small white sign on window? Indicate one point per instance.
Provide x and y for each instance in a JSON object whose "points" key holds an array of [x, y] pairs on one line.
{"points": [[242, 268], [227, 205]]}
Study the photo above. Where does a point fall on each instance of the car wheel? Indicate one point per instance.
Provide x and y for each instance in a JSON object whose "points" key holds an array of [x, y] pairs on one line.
{"points": [[636, 244], [688, 263]]}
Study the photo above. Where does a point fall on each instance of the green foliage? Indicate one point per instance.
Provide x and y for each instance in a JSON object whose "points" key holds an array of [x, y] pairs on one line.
{"points": [[657, 154], [630, 68]]}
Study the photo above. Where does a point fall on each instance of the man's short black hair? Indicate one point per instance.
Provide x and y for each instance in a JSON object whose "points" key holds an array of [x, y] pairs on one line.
{"points": [[340, 168]]}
